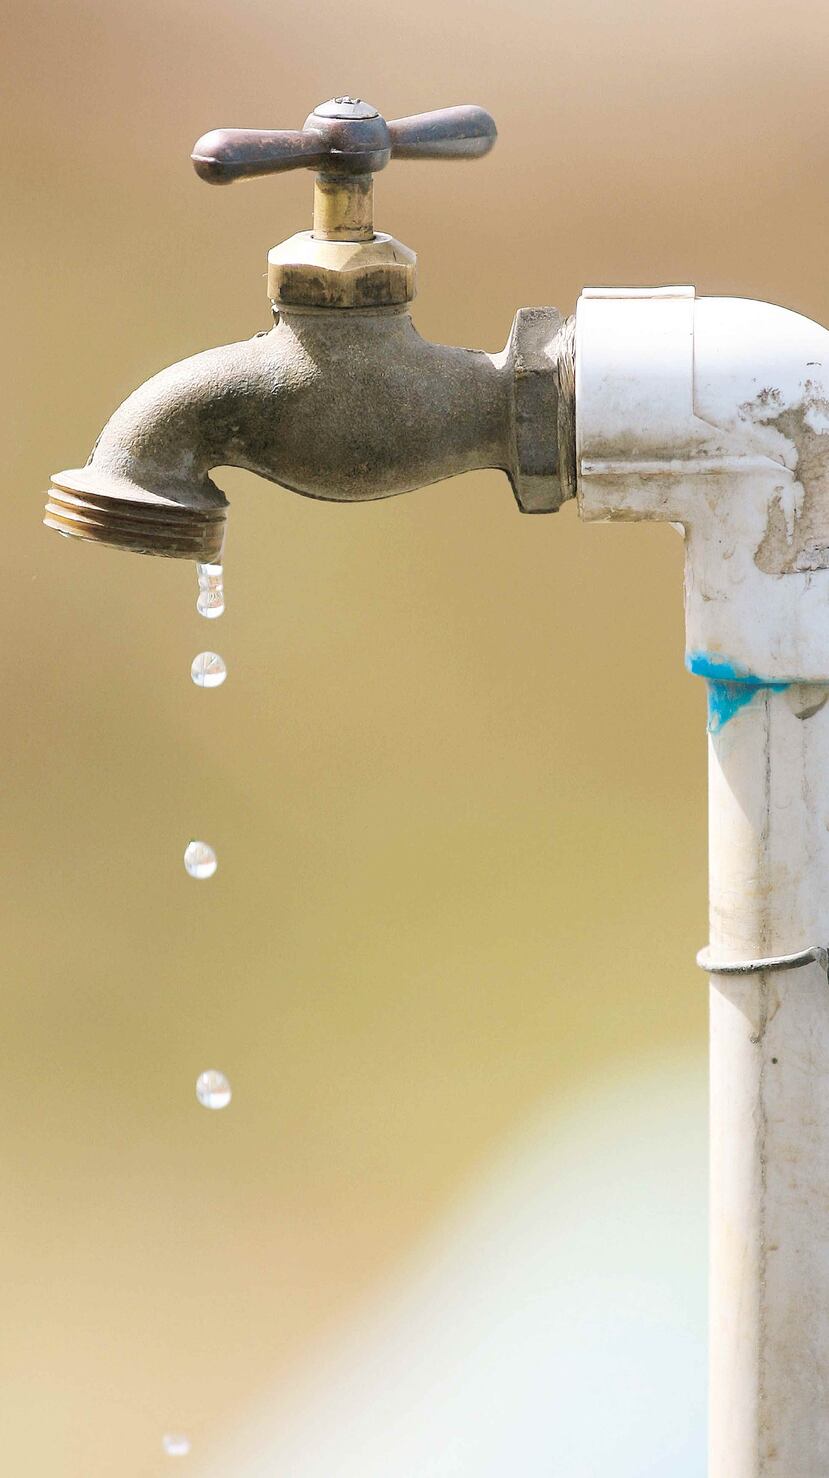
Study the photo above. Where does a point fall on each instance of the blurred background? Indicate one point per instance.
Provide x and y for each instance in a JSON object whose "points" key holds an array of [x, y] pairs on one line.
{"points": [[453, 1222]]}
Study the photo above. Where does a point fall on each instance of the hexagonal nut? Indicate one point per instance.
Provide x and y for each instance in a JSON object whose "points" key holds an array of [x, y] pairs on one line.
{"points": [[532, 353], [304, 272]]}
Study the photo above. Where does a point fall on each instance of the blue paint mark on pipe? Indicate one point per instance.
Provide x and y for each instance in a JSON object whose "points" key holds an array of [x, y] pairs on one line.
{"points": [[730, 686]]}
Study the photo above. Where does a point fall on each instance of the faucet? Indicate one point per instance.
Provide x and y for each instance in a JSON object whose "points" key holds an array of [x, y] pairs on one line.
{"points": [[710, 414], [342, 399]]}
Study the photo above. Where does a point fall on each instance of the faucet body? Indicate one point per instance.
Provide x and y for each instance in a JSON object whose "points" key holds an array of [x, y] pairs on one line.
{"points": [[346, 405]]}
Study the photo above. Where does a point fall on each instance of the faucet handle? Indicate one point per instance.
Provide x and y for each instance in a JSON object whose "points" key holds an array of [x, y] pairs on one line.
{"points": [[343, 137], [228, 154], [346, 141], [464, 132]]}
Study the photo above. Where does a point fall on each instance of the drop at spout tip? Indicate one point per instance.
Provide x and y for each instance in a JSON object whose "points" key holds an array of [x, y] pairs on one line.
{"points": [[211, 597]]}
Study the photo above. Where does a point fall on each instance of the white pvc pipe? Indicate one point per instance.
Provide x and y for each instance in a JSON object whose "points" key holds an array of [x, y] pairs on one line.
{"points": [[769, 895], [713, 414]]}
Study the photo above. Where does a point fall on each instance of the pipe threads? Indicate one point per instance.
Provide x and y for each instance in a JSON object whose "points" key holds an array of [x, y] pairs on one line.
{"points": [[566, 376], [145, 528]]}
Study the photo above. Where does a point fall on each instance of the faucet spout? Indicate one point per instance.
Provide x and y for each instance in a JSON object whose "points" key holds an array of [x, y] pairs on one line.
{"points": [[345, 406]]}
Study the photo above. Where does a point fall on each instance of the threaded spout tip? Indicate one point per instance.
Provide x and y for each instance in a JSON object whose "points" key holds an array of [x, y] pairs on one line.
{"points": [[166, 529]]}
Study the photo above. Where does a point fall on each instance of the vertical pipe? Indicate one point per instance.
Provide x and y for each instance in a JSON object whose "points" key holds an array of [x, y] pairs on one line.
{"points": [[769, 894]]}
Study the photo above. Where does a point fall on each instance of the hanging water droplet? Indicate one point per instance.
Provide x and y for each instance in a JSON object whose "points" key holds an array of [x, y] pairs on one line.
{"points": [[208, 670], [211, 601], [213, 1089], [176, 1444], [200, 860]]}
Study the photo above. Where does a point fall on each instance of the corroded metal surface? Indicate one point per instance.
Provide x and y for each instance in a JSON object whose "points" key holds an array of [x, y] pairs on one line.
{"points": [[345, 406]]}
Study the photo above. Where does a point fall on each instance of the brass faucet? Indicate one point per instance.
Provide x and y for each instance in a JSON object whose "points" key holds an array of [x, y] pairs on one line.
{"points": [[342, 399]]}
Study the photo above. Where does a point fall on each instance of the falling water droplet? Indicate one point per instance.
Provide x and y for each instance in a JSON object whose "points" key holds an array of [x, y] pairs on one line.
{"points": [[176, 1444], [208, 670], [211, 601], [213, 1089], [200, 860]]}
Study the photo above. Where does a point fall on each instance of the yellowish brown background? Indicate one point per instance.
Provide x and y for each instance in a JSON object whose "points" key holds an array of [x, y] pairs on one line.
{"points": [[456, 776]]}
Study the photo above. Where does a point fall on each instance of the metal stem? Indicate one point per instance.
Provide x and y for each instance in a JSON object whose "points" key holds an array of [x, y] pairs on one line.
{"points": [[344, 207]]}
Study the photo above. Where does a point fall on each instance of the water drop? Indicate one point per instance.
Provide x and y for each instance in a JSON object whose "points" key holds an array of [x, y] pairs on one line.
{"points": [[175, 1444], [213, 1089], [211, 601], [208, 670], [200, 860]]}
